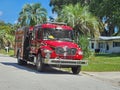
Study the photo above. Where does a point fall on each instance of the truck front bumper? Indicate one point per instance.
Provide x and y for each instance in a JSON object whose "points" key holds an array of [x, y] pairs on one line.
{"points": [[65, 62]]}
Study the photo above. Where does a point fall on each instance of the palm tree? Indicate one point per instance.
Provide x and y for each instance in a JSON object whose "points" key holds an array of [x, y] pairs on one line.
{"points": [[32, 14], [6, 34], [81, 20]]}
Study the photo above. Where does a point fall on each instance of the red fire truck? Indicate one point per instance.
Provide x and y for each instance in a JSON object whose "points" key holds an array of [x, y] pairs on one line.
{"points": [[51, 44]]}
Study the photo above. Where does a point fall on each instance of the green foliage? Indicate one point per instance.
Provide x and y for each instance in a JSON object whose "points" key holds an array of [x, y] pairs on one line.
{"points": [[83, 42], [108, 8], [95, 7], [32, 14], [6, 34], [57, 5], [6, 27]]}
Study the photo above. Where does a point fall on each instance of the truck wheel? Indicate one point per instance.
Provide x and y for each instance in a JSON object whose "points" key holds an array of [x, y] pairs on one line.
{"points": [[76, 70], [39, 63], [20, 62]]}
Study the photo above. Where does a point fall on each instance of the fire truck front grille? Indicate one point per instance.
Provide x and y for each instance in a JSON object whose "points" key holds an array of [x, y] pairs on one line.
{"points": [[67, 51], [59, 50], [71, 51]]}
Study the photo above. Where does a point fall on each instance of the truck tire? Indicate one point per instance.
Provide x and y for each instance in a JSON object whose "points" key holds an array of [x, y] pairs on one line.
{"points": [[39, 63], [20, 62], [76, 70]]}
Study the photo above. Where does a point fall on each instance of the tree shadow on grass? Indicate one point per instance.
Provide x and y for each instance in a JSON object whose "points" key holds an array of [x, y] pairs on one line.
{"points": [[108, 55]]}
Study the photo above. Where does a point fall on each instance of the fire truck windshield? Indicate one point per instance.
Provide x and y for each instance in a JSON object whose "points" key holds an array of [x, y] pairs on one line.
{"points": [[58, 34]]}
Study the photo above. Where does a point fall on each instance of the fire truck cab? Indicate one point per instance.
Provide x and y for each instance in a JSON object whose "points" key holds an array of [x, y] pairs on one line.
{"points": [[51, 44]]}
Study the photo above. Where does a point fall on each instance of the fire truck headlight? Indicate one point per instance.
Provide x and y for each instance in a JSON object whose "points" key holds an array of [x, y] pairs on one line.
{"points": [[47, 51], [47, 56], [80, 53]]}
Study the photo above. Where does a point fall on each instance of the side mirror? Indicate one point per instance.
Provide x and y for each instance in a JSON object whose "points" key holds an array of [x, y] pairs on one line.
{"points": [[31, 35]]}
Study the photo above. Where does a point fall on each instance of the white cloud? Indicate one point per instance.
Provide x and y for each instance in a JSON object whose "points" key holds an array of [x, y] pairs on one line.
{"points": [[1, 13]]}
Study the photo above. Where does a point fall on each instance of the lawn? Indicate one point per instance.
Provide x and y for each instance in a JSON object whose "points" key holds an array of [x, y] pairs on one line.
{"points": [[10, 53], [103, 62]]}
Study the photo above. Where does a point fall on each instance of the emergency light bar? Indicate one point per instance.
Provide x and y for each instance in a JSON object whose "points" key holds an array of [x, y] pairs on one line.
{"points": [[58, 23]]}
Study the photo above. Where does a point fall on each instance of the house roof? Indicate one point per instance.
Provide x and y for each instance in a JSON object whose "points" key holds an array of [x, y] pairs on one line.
{"points": [[105, 38], [109, 38]]}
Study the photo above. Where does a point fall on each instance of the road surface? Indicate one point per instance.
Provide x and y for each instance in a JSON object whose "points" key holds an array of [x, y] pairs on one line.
{"points": [[16, 77]]}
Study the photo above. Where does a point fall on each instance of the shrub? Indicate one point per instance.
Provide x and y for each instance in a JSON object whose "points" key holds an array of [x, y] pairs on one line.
{"points": [[83, 42]]}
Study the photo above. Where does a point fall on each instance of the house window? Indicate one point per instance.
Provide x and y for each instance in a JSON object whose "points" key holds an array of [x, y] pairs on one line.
{"points": [[116, 44], [100, 45], [92, 45]]}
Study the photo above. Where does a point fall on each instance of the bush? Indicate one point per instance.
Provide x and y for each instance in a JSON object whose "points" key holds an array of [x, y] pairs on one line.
{"points": [[83, 42]]}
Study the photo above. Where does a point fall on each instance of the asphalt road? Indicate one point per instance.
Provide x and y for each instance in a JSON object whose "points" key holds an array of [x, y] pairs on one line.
{"points": [[16, 77]]}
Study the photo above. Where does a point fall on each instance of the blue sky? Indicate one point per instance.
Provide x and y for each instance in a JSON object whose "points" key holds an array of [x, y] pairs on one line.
{"points": [[9, 9]]}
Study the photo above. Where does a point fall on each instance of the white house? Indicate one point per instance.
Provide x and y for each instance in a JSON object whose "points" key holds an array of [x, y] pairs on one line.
{"points": [[106, 44]]}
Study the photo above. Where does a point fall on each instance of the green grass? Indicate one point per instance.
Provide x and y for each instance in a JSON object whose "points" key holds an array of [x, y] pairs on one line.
{"points": [[10, 53], [103, 62]]}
